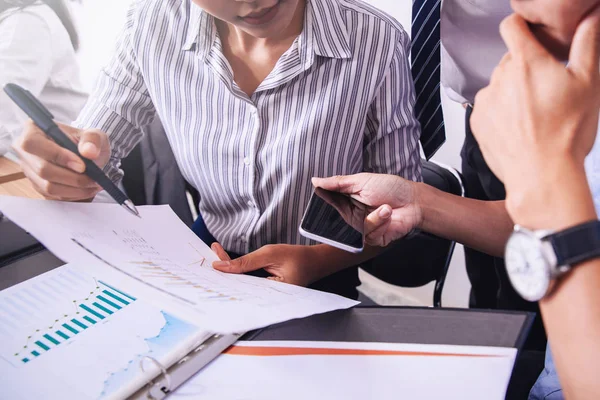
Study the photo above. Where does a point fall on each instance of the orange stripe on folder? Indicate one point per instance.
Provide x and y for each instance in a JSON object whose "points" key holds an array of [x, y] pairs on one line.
{"points": [[315, 351]]}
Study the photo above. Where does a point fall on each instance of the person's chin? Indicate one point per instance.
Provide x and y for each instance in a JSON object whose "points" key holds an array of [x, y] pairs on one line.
{"points": [[265, 31]]}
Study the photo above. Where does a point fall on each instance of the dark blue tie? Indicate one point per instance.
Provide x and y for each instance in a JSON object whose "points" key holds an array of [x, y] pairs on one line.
{"points": [[425, 54]]}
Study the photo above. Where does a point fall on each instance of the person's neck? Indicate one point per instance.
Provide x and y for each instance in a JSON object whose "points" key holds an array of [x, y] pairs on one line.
{"points": [[243, 41]]}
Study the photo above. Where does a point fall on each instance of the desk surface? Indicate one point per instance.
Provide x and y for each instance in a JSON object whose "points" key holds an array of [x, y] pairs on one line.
{"points": [[9, 171], [13, 181]]}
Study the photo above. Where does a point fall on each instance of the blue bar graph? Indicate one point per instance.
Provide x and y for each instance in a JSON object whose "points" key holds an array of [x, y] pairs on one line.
{"points": [[100, 302], [114, 296], [62, 335], [118, 291], [94, 313], [42, 346], [51, 339], [101, 307], [79, 324], [107, 301], [70, 328]]}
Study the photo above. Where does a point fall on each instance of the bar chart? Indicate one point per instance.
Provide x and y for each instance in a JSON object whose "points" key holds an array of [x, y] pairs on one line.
{"points": [[91, 334], [102, 302], [75, 307]]}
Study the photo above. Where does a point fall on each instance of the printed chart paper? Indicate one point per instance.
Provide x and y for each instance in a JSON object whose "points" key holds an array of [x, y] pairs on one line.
{"points": [[70, 335], [164, 255]]}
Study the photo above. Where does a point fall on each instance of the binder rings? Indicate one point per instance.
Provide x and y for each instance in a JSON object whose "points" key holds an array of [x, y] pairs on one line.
{"points": [[172, 378]]}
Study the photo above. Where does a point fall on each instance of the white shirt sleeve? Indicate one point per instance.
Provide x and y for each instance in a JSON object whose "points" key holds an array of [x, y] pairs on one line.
{"points": [[26, 58]]}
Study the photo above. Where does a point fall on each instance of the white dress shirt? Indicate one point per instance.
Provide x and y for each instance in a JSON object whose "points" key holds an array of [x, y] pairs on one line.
{"points": [[339, 101], [471, 45], [36, 53]]}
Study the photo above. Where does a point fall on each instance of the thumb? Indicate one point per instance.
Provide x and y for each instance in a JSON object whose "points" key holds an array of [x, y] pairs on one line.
{"points": [[220, 251], [92, 143], [585, 50], [247, 263], [376, 224]]}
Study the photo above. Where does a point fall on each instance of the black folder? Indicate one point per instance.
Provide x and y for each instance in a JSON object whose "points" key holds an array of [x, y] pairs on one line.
{"points": [[407, 325]]}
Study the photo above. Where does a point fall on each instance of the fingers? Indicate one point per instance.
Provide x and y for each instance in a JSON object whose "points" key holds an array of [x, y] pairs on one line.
{"points": [[376, 224], [519, 39], [221, 253], [59, 191], [250, 262], [53, 173], [91, 143], [34, 142], [585, 50], [57, 173], [341, 184]]}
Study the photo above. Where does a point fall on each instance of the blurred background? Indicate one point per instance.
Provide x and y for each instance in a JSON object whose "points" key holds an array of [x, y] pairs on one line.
{"points": [[99, 23]]}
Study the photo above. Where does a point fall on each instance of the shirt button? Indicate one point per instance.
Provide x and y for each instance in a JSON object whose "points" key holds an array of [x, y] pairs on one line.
{"points": [[247, 160]]}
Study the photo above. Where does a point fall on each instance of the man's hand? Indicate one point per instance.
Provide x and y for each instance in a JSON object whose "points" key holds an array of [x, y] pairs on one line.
{"points": [[286, 263], [55, 172], [554, 22], [537, 120], [394, 209]]}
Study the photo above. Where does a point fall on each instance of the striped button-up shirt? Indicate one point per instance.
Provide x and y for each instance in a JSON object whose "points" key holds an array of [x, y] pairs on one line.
{"points": [[338, 102]]}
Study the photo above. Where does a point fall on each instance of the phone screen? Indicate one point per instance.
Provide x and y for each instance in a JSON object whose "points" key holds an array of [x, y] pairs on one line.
{"points": [[335, 219]]}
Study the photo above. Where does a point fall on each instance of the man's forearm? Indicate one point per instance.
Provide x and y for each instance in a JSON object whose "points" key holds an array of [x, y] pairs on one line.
{"points": [[572, 321], [481, 225], [570, 312]]}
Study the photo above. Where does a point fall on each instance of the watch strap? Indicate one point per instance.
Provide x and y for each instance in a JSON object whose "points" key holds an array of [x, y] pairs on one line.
{"points": [[577, 244]]}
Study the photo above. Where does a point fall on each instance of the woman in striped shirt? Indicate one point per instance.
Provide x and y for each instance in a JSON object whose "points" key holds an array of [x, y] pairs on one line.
{"points": [[256, 97]]}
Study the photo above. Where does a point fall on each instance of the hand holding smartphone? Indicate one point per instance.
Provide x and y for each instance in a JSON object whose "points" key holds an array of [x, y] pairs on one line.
{"points": [[335, 219]]}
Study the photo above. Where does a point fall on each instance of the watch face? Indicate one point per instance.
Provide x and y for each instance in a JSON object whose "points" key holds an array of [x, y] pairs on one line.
{"points": [[527, 268]]}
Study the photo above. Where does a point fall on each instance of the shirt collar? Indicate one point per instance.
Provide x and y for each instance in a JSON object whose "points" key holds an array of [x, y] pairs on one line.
{"points": [[329, 33], [324, 32], [201, 33]]}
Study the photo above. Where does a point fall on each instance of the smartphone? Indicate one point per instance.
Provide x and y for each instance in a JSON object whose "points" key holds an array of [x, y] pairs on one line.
{"points": [[335, 219]]}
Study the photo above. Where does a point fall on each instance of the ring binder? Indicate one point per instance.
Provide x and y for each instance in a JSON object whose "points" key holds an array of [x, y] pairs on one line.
{"points": [[173, 377], [166, 388]]}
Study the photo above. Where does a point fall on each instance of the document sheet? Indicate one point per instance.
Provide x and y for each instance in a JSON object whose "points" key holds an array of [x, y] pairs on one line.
{"points": [[72, 333], [165, 261], [328, 370]]}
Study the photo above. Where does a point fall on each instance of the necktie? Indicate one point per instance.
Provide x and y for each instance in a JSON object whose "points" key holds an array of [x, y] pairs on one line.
{"points": [[425, 55]]}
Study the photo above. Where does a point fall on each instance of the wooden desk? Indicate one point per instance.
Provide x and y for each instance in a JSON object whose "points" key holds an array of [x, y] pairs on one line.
{"points": [[9, 171], [13, 181]]}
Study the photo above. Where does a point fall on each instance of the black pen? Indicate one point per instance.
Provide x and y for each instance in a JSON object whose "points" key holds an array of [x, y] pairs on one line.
{"points": [[45, 121]]}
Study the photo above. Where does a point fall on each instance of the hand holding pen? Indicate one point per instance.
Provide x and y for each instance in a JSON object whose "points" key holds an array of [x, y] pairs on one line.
{"points": [[62, 162]]}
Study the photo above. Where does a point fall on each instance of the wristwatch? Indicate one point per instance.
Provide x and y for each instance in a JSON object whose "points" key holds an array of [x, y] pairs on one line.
{"points": [[534, 259]]}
